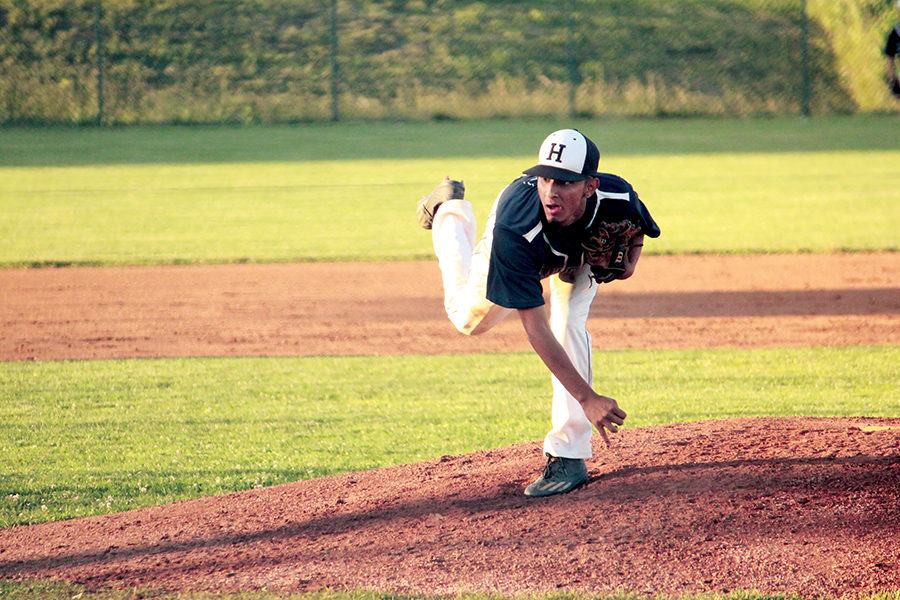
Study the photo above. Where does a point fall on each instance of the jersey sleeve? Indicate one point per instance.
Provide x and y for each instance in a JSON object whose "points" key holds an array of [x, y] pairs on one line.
{"points": [[613, 187], [513, 279], [648, 224]]}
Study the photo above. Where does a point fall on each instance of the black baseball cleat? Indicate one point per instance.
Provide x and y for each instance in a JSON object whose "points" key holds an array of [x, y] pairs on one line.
{"points": [[561, 475], [449, 189]]}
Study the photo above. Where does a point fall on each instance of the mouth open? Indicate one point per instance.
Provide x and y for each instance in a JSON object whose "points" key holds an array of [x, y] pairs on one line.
{"points": [[552, 209]]}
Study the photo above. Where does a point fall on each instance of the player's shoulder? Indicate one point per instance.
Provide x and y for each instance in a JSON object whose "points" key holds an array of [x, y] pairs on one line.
{"points": [[518, 208], [613, 183], [521, 186]]}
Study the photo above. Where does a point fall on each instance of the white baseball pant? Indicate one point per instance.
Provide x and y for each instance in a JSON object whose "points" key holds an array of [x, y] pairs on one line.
{"points": [[464, 268]]}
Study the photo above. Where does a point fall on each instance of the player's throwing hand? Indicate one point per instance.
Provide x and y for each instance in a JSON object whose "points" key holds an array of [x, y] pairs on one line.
{"points": [[605, 414]]}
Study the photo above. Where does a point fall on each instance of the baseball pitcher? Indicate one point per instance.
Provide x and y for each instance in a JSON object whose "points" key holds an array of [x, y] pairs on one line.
{"points": [[564, 221]]}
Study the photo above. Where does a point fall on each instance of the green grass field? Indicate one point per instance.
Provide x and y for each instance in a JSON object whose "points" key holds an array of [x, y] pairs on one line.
{"points": [[115, 435], [321, 192]]}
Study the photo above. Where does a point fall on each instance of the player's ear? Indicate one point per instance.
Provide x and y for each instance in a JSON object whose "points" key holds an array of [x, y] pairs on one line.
{"points": [[591, 185]]}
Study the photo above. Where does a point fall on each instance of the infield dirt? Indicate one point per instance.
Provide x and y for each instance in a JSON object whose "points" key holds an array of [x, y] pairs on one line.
{"points": [[396, 308], [800, 506]]}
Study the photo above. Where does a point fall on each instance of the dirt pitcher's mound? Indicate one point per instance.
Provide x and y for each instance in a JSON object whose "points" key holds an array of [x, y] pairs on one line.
{"points": [[781, 506]]}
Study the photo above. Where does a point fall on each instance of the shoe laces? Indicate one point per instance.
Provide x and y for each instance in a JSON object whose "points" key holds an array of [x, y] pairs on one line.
{"points": [[554, 463]]}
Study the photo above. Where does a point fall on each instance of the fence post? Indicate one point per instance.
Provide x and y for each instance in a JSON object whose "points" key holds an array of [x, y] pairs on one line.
{"points": [[98, 31], [573, 61], [806, 84], [334, 62]]}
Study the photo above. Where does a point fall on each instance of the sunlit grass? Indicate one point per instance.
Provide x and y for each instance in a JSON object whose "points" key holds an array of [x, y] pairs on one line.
{"points": [[283, 194], [115, 435]]}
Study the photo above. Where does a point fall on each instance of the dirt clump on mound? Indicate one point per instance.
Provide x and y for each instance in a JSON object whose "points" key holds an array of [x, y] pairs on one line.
{"points": [[780, 506]]}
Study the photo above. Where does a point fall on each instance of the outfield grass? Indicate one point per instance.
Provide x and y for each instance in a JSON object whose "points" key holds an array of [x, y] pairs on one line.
{"points": [[320, 192], [116, 435], [69, 147]]}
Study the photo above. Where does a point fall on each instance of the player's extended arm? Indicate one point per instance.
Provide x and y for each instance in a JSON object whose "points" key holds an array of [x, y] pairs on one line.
{"points": [[602, 411]]}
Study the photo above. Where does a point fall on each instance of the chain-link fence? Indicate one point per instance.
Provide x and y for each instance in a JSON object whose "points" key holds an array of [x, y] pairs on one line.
{"points": [[245, 61]]}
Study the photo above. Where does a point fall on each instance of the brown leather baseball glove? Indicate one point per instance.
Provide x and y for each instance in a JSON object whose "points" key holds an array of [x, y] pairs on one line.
{"points": [[606, 249]]}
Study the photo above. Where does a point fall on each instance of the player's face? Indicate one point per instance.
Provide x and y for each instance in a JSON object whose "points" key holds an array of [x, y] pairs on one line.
{"points": [[564, 201]]}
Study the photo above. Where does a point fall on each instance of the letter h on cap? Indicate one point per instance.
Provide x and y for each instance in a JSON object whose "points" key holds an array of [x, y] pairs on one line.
{"points": [[556, 149]]}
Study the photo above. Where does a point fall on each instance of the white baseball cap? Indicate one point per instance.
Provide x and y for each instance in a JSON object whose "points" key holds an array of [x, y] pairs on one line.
{"points": [[567, 155]]}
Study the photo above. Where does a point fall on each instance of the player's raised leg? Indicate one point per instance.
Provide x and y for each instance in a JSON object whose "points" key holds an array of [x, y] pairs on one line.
{"points": [[463, 263]]}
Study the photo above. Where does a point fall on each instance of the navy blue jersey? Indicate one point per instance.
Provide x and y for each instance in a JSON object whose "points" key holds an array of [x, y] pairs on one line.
{"points": [[526, 249]]}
